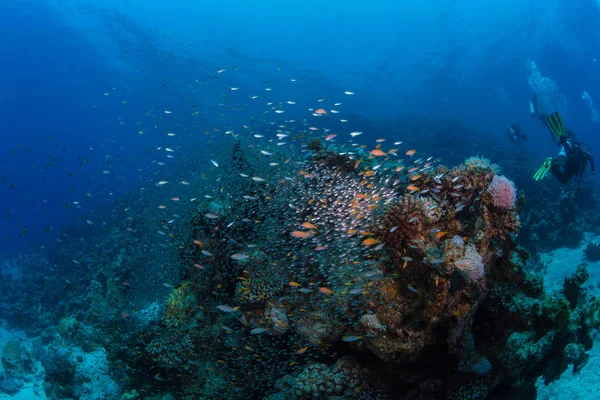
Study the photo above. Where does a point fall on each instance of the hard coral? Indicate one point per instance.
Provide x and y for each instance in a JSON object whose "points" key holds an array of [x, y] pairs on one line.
{"points": [[404, 222], [479, 171], [180, 305], [454, 250], [171, 349], [481, 165], [499, 222], [319, 381]]}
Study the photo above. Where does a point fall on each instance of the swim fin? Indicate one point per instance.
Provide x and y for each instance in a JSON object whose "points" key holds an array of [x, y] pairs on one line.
{"points": [[555, 124], [544, 170]]}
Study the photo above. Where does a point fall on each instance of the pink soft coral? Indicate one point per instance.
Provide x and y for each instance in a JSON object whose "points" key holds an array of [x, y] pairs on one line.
{"points": [[503, 191]]}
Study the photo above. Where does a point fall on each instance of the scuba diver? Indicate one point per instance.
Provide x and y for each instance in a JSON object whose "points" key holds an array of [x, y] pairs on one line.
{"points": [[515, 134], [572, 158]]}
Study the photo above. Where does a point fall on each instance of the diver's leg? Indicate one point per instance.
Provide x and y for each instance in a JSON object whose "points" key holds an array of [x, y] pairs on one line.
{"points": [[559, 173]]}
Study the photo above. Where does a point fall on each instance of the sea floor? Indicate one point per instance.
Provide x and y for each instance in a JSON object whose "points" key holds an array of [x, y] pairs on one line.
{"points": [[582, 386], [564, 261], [586, 384], [32, 384], [560, 263]]}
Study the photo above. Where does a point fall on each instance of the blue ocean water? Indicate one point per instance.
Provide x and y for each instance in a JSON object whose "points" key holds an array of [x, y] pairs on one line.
{"points": [[449, 59], [91, 90]]}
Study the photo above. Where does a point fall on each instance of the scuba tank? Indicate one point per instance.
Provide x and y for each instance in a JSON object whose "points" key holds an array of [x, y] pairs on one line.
{"points": [[532, 110]]}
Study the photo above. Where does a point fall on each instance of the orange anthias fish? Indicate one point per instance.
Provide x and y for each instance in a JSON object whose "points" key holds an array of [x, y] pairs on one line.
{"points": [[378, 153], [412, 188], [325, 290], [440, 234], [321, 111], [308, 225], [411, 153], [370, 241], [302, 234]]}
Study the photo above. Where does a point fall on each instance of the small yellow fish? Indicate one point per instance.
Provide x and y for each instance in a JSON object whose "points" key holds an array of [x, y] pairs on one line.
{"points": [[294, 284]]}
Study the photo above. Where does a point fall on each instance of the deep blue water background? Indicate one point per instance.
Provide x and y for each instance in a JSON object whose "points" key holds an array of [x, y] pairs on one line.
{"points": [[464, 59]]}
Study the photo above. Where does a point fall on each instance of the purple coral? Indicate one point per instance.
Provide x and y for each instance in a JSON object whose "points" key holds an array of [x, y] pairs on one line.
{"points": [[503, 191]]}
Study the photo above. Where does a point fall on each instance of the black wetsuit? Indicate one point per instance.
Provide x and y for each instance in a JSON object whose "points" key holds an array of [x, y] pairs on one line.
{"points": [[576, 161], [515, 134]]}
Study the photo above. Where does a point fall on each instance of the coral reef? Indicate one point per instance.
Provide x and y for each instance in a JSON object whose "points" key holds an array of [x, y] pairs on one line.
{"points": [[417, 276], [342, 273]]}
